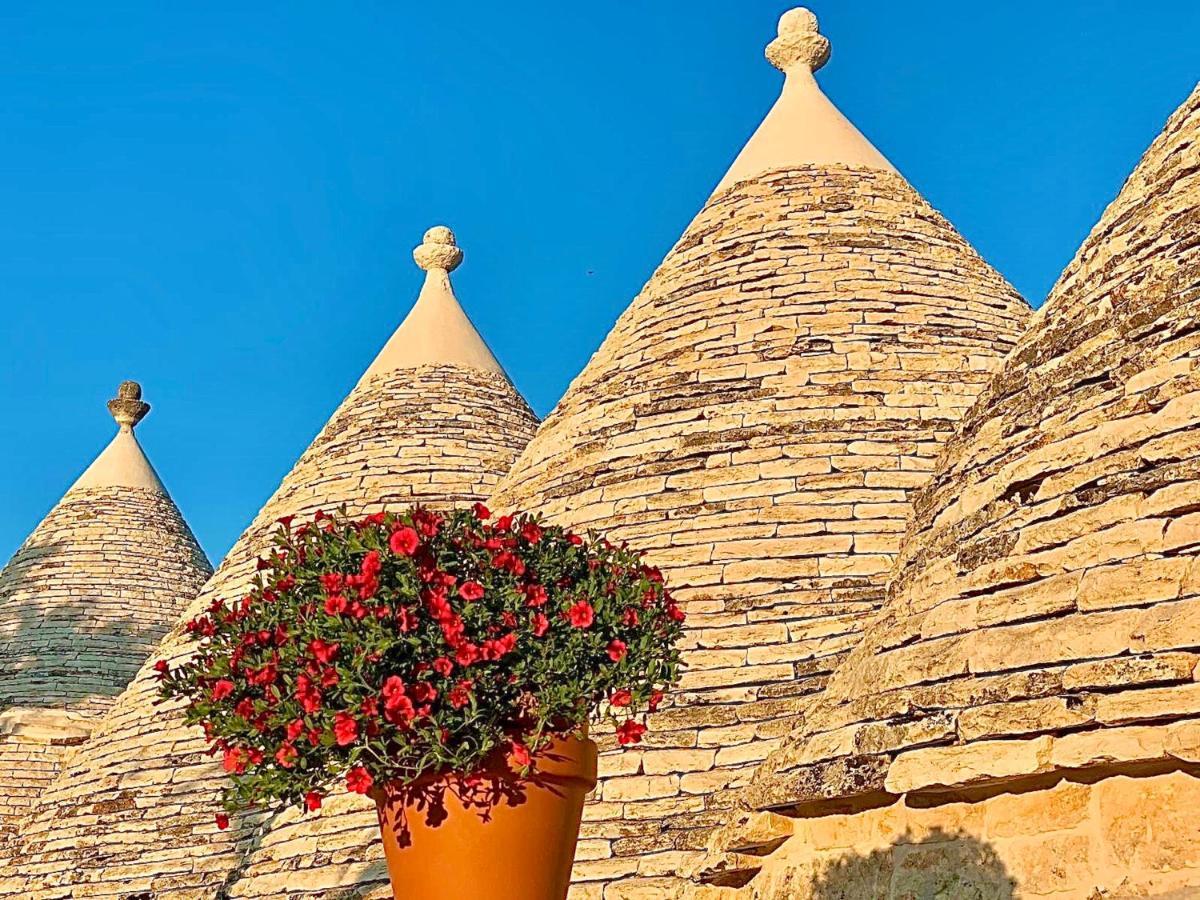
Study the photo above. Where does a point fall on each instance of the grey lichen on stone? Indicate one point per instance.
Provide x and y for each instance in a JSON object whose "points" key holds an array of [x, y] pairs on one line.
{"points": [[127, 407], [799, 41]]}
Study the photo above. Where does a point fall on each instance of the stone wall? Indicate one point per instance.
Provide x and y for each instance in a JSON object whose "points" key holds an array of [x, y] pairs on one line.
{"points": [[1106, 836], [132, 813], [83, 602], [756, 420]]}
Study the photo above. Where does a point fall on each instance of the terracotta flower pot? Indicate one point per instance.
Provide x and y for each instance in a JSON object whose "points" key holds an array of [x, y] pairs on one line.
{"points": [[493, 837]]}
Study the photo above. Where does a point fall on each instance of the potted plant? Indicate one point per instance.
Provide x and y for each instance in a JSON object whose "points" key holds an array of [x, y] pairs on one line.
{"points": [[445, 665]]}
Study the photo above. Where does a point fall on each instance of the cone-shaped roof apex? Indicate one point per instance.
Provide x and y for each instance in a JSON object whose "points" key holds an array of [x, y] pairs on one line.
{"points": [[123, 463], [436, 331], [803, 127]]}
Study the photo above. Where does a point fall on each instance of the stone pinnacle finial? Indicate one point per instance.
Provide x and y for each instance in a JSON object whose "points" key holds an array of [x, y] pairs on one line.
{"points": [[127, 407], [800, 42], [438, 250]]}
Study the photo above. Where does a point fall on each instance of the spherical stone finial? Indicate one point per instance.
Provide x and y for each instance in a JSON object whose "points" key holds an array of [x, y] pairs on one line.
{"points": [[127, 407], [800, 42], [438, 250]]}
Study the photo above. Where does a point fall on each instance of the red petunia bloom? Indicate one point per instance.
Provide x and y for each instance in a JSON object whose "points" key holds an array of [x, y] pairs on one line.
{"points": [[371, 564], [307, 694], [312, 801], [540, 624], [323, 652], [359, 780], [404, 541], [581, 615], [630, 617], [575, 539], [655, 699], [535, 595], [335, 604], [221, 689], [286, 755], [295, 728], [222, 821], [630, 732], [467, 654], [617, 650], [163, 669], [675, 612], [531, 532], [234, 760], [519, 754], [460, 694], [333, 582], [621, 698], [481, 512], [345, 729], [443, 666], [471, 591]]}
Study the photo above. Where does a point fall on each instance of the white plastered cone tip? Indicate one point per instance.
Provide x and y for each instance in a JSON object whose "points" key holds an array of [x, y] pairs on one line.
{"points": [[123, 463], [436, 331], [803, 128]]}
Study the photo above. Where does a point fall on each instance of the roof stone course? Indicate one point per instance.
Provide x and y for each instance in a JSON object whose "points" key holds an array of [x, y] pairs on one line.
{"points": [[132, 813], [756, 421]]}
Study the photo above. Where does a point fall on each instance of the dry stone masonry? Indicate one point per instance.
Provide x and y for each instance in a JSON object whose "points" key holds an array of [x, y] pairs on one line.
{"points": [[1037, 654], [82, 603], [756, 421], [132, 813]]}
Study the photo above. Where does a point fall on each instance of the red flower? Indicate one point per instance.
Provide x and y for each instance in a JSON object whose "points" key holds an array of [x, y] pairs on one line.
{"points": [[345, 729], [655, 699], [307, 694], [423, 692], [443, 666], [404, 541], [630, 617], [222, 821], [471, 591], [575, 539], [621, 698], [321, 651], [234, 760], [504, 523], [519, 754], [162, 668], [332, 582], [466, 654], [335, 604], [295, 728], [481, 512], [630, 732], [359, 780], [535, 595], [581, 615], [675, 612], [329, 678], [312, 801], [460, 694], [540, 624], [531, 532], [617, 650], [286, 755], [371, 564], [286, 521], [406, 620], [245, 708], [222, 689]]}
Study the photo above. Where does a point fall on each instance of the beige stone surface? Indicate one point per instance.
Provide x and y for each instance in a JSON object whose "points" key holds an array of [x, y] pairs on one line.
{"points": [[756, 421], [82, 603], [132, 812]]}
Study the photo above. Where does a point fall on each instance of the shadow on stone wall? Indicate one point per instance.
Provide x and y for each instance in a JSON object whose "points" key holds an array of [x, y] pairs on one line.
{"points": [[940, 866]]}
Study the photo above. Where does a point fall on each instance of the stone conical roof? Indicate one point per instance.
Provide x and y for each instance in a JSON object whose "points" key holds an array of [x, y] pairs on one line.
{"points": [[83, 602], [756, 420], [1044, 619], [415, 430]]}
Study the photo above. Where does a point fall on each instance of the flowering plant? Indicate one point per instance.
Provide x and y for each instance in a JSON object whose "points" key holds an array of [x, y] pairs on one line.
{"points": [[396, 646]]}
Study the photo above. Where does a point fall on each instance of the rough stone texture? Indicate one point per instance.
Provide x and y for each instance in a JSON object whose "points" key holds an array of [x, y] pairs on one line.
{"points": [[132, 813], [1124, 836], [82, 603], [1045, 610], [756, 421]]}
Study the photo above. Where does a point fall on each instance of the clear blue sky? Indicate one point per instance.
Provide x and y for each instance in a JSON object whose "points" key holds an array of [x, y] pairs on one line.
{"points": [[219, 199]]}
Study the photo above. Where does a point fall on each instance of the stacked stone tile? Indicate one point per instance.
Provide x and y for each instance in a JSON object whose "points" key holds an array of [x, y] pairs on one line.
{"points": [[434, 421], [82, 603], [756, 421], [1031, 684]]}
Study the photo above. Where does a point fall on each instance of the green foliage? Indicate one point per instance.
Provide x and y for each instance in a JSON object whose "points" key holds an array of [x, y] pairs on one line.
{"points": [[399, 646]]}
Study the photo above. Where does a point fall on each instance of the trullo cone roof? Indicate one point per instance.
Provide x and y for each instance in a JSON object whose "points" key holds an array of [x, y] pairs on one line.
{"points": [[83, 602], [1044, 614], [756, 420], [435, 429]]}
